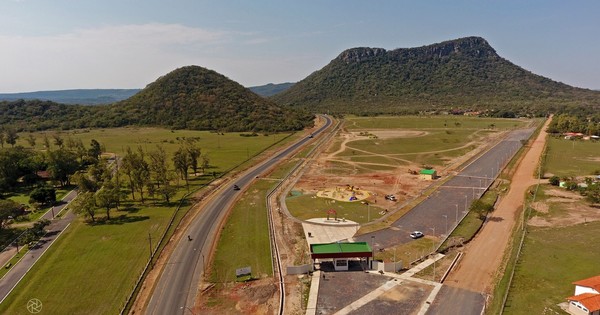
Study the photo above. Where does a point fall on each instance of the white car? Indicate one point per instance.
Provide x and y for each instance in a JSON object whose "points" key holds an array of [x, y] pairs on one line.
{"points": [[416, 234]]}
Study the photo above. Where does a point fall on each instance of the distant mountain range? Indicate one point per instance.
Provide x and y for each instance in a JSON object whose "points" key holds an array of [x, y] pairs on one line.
{"points": [[109, 96], [81, 96], [190, 97], [463, 73], [270, 89]]}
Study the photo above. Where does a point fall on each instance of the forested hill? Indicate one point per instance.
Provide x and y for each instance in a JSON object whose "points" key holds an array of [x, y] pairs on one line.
{"points": [[464, 73], [191, 97]]}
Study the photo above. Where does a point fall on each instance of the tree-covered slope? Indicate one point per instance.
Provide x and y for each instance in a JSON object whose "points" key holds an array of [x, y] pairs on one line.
{"points": [[191, 97], [464, 73]]}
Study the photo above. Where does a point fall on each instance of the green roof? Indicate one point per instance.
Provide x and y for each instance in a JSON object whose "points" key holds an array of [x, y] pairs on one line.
{"points": [[427, 172], [335, 248]]}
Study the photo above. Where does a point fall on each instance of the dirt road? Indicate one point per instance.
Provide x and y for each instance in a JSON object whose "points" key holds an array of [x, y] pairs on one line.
{"points": [[481, 262]]}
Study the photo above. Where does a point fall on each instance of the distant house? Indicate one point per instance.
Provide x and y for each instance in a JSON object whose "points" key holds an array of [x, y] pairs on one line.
{"points": [[586, 300], [428, 174]]}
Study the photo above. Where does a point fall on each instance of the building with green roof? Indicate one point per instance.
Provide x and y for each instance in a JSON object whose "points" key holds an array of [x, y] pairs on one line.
{"points": [[428, 174], [340, 252]]}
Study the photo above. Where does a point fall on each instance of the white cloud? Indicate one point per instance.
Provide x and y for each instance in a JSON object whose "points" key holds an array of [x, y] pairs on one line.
{"points": [[111, 56]]}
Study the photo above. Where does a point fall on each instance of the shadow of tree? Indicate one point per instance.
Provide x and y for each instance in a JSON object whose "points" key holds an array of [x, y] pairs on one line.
{"points": [[122, 219], [495, 219]]}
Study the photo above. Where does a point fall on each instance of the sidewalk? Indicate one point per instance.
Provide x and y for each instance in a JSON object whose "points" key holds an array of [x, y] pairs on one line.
{"points": [[397, 279]]}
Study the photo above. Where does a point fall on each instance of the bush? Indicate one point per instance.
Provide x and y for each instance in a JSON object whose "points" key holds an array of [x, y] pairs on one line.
{"points": [[554, 180]]}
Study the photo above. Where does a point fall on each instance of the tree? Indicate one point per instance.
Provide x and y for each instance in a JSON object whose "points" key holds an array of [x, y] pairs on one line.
{"points": [[44, 195], [2, 137], [193, 152], [8, 209], [85, 204], [84, 182], [182, 164], [205, 163], [95, 150], [58, 140], [11, 136], [158, 166], [61, 165], [137, 170], [167, 192], [593, 193], [108, 197], [31, 140], [554, 180]]}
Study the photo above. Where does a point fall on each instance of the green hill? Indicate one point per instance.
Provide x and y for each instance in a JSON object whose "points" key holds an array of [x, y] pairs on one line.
{"points": [[464, 73], [191, 97]]}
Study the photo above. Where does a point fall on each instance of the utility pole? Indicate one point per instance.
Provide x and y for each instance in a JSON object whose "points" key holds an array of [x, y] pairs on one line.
{"points": [[150, 241]]}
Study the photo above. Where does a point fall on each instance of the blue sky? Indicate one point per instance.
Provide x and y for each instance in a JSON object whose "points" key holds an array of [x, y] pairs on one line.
{"points": [[68, 44]]}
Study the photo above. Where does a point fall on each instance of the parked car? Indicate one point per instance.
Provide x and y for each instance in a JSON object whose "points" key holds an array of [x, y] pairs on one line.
{"points": [[416, 234]]}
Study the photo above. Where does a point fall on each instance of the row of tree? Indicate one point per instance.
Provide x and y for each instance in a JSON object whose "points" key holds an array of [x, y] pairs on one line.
{"points": [[586, 124], [142, 173]]}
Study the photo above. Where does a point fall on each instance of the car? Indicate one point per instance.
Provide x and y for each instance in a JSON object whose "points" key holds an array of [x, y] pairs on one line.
{"points": [[416, 234], [236, 187]]}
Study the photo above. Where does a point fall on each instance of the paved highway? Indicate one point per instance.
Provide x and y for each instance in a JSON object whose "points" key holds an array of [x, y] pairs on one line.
{"points": [[177, 286]]}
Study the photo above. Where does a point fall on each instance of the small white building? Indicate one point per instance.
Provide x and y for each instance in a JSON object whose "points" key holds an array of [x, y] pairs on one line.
{"points": [[586, 300]]}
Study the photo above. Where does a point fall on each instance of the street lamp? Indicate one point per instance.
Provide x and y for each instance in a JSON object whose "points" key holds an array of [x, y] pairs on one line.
{"points": [[456, 219], [446, 216], [372, 250], [368, 212]]}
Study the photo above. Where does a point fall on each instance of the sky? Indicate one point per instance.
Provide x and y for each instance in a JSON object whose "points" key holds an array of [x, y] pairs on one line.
{"points": [[81, 44]]}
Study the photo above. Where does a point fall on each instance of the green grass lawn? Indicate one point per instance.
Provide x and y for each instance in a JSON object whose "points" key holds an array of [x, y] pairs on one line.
{"points": [[572, 158], [552, 258], [222, 149], [420, 122], [244, 240], [309, 206], [95, 263]]}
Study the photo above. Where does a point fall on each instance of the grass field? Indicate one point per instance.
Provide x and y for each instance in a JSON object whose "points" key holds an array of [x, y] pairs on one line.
{"points": [[572, 158], [222, 149], [553, 257], [421, 122], [100, 263], [309, 206], [244, 240]]}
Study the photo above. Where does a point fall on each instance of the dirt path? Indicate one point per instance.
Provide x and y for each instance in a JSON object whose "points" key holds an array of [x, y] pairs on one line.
{"points": [[483, 256]]}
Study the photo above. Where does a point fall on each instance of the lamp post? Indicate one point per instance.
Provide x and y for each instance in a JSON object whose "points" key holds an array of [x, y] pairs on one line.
{"points": [[456, 219], [372, 250], [368, 212], [446, 217]]}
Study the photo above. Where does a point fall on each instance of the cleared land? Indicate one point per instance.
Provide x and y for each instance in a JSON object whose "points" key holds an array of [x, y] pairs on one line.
{"points": [[382, 154]]}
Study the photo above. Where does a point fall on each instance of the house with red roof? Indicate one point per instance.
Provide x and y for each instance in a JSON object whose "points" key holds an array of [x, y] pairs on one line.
{"points": [[586, 300]]}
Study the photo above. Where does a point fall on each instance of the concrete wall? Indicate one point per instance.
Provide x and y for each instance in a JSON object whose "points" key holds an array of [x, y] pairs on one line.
{"points": [[387, 267], [297, 270]]}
